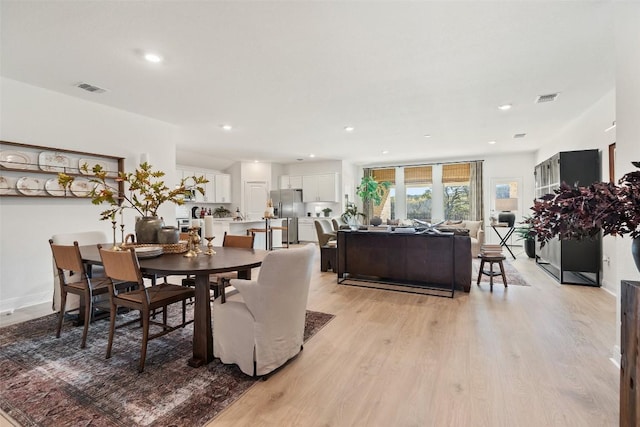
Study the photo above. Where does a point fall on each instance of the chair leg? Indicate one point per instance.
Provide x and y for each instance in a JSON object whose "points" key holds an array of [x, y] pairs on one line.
{"points": [[145, 337], [63, 305], [164, 315], [88, 306], [184, 312], [112, 328]]}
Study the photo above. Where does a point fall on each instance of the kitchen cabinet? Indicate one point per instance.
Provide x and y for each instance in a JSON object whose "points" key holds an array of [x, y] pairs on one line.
{"points": [[209, 190], [307, 229], [223, 188], [569, 261], [290, 181], [320, 188]]}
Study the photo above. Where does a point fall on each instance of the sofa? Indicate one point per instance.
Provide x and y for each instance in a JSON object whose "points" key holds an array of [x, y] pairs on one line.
{"points": [[476, 232]]}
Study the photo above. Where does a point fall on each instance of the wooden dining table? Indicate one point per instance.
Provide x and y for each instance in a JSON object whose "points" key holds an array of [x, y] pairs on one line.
{"points": [[224, 260]]}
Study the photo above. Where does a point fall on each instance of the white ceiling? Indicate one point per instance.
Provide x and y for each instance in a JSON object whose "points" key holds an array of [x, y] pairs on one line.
{"points": [[289, 76]]}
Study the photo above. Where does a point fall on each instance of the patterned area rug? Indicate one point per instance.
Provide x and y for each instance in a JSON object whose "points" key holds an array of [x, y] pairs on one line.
{"points": [[513, 276], [46, 381]]}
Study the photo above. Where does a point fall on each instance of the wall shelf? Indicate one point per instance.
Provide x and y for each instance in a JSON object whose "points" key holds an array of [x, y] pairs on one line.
{"points": [[31, 171]]}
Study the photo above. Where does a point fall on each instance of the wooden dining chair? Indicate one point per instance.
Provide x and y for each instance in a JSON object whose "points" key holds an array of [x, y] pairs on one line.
{"points": [[123, 267], [216, 281], [73, 279]]}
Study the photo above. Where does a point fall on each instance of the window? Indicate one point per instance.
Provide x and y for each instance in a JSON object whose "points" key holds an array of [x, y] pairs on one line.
{"points": [[386, 209], [455, 180], [418, 188]]}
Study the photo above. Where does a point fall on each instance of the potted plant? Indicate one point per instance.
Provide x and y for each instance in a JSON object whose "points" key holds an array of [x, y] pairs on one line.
{"points": [[351, 214], [327, 211], [526, 233], [584, 212], [146, 193], [371, 190], [221, 212]]}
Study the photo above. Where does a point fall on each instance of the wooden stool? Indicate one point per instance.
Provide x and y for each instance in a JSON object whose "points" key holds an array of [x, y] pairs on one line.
{"points": [[268, 242], [496, 259]]}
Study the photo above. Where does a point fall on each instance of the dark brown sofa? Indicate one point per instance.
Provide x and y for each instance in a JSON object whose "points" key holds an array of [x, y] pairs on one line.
{"points": [[405, 258]]}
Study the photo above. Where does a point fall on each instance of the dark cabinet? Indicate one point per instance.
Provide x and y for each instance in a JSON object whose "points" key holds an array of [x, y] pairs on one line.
{"points": [[569, 261]]}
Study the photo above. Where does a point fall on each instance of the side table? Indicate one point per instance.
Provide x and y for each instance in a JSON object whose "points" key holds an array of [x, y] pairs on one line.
{"points": [[497, 259], [503, 240]]}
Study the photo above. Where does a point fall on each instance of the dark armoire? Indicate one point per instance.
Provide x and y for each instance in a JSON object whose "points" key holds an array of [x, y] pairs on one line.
{"points": [[570, 261]]}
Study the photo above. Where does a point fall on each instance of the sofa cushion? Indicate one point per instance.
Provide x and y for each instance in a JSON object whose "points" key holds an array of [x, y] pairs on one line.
{"points": [[472, 226]]}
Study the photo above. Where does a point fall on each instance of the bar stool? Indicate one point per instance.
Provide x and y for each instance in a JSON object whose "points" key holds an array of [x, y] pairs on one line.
{"points": [[268, 236], [492, 259]]}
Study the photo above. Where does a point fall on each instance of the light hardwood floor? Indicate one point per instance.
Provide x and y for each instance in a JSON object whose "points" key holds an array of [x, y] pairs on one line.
{"points": [[521, 356]]}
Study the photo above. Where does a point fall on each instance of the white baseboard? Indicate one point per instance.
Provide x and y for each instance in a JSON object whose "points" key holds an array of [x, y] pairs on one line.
{"points": [[615, 356], [12, 304]]}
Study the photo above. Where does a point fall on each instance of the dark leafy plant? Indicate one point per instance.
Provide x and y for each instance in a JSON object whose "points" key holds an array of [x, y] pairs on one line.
{"points": [[372, 190], [147, 190], [583, 212]]}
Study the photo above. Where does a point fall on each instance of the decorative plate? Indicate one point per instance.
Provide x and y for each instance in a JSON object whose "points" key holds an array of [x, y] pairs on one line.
{"points": [[6, 185], [51, 161], [15, 160], [148, 251], [29, 186], [54, 188], [81, 187]]}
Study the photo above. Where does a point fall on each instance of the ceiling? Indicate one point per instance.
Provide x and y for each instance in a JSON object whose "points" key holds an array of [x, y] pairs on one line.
{"points": [[289, 76]]}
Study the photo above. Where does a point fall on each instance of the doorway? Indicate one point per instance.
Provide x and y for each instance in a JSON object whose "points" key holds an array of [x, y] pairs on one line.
{"points": [[255, 199]]}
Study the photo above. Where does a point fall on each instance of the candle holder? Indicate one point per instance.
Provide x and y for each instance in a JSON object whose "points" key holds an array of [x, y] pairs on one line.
{"points": [[209, 250], [115, 244], [197, 241], [193, 235], [122, 236]]}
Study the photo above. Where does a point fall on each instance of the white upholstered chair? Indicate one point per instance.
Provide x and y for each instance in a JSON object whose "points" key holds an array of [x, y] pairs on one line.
{"points": [[262, 326]]}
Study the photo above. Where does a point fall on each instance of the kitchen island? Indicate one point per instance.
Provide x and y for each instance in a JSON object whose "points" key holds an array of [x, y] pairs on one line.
{"points": [[239, 228]]}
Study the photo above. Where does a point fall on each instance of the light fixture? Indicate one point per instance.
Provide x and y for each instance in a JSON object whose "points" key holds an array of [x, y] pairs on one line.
{"points": [[385, 151], [256, 161], [312, 155], [505, 107], [492, 142], [613, 125], [349, 128], [426, 135], [153, 57], [226, 127]]}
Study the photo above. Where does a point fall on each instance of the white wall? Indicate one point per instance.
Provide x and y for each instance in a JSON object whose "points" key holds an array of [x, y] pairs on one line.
{"points": [[35, 116]]}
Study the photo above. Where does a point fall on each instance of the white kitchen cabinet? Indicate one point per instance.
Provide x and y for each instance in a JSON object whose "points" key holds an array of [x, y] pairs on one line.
{"points": [[290, 181], [223, 188], [307, 229], [209, 190], [320, 188]]}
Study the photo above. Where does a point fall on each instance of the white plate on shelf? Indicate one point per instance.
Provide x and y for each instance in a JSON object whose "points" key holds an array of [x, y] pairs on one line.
{"points": [[81, 187], [148, 251], [53, 187], [6, 185], [29, 186], [51, 161], [15, 160]]}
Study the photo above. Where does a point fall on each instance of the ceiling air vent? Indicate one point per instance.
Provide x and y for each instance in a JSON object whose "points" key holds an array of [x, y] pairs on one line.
{"points": [[519, 135], [546, 98], [91, 88]]}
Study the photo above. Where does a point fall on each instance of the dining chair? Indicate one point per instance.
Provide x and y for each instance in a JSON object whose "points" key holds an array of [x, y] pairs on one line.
{"points": [[73, 278], [216, 281], [123, 267], [262, 326]]}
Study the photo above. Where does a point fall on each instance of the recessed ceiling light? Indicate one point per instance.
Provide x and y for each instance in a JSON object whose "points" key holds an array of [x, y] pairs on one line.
{"points": [[385, 152], [492, 142], [153, 57], [426, 135], [256, 161], [505, 107], [349, 128], [226, 127], [312, 155]]}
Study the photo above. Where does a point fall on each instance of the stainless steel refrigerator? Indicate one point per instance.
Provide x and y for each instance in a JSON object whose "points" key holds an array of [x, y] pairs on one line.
{"points": [[288, 204]]}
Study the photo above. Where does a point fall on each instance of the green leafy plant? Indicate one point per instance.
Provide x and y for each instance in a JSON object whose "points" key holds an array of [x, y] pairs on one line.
{"points": [[372, 190], [221, 212], [327, 211], [351, 212], [524, 231], [147, 190]]}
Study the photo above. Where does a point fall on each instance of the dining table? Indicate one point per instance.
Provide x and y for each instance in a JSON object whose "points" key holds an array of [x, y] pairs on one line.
{"points": [[224, 260]]}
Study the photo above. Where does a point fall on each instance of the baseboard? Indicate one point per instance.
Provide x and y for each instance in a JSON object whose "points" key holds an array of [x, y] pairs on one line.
{"points": [[615, 356], [11, 304]]}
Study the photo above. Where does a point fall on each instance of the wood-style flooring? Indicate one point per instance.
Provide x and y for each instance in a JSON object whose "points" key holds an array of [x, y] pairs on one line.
{"points": [[523, 356]]}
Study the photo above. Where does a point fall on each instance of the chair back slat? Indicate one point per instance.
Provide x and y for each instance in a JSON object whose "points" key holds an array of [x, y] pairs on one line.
{"points": [[121, 265], [234, 241]]}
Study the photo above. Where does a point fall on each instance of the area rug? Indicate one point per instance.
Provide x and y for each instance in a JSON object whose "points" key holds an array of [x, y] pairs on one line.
{"points": [[46, 381], [513, 276]]}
